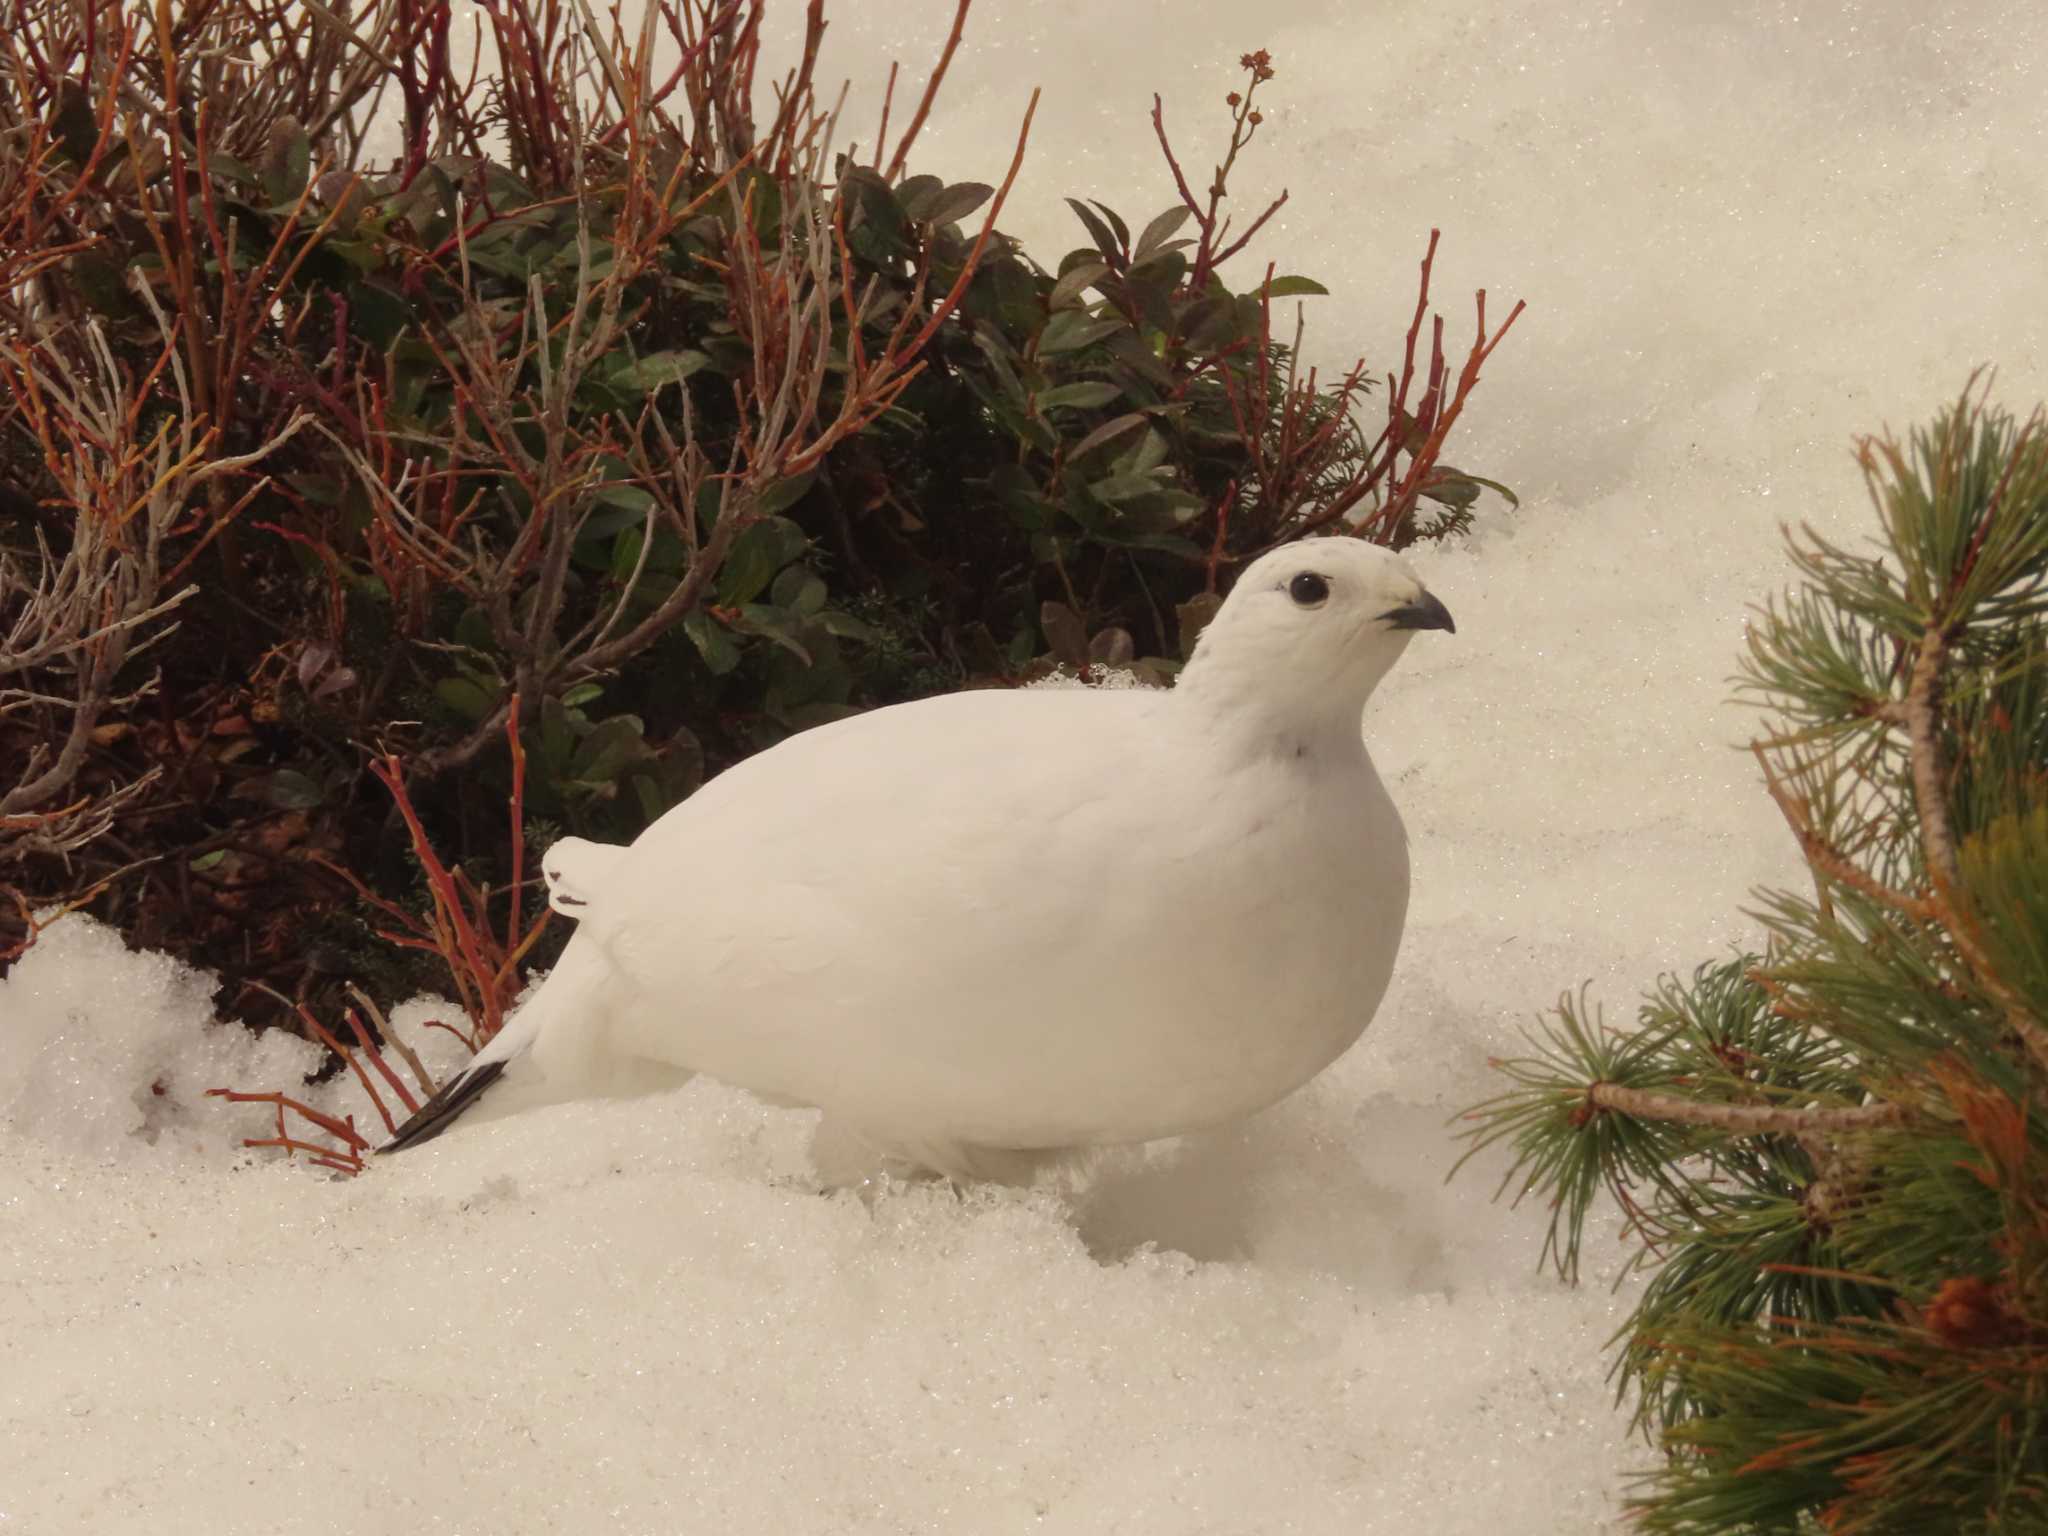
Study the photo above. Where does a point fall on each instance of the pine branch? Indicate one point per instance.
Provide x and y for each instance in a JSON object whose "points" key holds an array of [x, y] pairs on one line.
{"points": [[1847, 1308], [1744, 1119], [1828, 860], [1938, 841]]}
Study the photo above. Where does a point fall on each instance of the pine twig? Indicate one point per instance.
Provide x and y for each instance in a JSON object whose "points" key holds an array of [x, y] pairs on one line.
{"points": [[1937, 841], [1744, 1119], [1826, 859]]}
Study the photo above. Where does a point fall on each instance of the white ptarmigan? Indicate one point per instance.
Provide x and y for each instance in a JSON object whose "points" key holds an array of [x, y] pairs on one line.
{"points": [[989, 926]]}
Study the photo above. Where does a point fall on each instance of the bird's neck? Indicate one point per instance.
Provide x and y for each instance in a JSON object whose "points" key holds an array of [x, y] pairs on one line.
{"points": [[1248, 718]]}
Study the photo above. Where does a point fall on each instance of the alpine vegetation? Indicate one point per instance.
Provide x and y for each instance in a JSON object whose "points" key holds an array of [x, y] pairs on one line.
{"points": [[1834, 1154]]}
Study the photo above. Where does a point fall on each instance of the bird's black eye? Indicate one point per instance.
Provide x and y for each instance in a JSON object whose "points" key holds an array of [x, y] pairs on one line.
{"points": [[1309, 589]]}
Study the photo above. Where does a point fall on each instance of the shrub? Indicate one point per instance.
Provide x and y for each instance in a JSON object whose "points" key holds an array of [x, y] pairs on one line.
{"points": [[1830, 1155], [678, 427]]}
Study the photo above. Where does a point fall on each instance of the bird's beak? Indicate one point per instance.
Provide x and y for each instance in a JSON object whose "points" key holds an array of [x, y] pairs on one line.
{"points": [[1424, 613]]}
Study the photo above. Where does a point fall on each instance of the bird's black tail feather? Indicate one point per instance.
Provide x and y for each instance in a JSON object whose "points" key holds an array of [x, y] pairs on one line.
{"points": [[441, 1111]]}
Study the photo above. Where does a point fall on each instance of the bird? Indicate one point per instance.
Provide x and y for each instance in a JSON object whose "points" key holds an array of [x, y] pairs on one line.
{"points": [[994, 927]]}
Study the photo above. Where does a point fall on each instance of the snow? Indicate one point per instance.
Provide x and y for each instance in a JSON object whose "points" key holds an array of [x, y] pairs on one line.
{"points": [[1746, 232]]}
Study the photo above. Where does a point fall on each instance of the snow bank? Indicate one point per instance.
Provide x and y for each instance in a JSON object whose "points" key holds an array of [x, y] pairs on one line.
{"points": [[1746, 232]]}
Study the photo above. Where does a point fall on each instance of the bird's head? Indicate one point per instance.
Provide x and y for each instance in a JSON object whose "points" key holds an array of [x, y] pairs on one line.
{"points": [[1310, 628]]}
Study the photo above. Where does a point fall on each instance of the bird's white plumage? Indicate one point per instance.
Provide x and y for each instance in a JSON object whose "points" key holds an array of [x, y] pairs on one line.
{"points": [[1009, 922]]}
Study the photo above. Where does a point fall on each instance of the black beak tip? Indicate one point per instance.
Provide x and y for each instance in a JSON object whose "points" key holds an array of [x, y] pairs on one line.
{"points": [[1424, 613]]}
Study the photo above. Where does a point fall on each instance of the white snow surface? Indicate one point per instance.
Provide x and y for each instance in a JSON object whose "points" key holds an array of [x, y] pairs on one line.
{"points": [[1746, 232]]}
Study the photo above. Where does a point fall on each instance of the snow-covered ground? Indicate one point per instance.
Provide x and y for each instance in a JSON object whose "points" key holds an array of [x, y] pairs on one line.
{"points": [[1745, 231]]}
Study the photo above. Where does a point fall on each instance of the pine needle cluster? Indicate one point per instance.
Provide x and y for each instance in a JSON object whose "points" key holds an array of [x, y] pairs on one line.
{"points": [[1832, 1156]]}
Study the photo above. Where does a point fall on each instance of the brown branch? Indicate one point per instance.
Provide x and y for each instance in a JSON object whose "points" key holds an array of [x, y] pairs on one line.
{"points": [[344, 1130], [931, 91], [1180, 180], [333, 1042], [391, 1038], [1743, 1119], [1826, 859], [1937, 841], [1245, 239], [959, 289], [376, 1058]]}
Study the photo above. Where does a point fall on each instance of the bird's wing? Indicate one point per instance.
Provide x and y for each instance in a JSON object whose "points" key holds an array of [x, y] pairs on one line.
{"points": [[897, 839]]}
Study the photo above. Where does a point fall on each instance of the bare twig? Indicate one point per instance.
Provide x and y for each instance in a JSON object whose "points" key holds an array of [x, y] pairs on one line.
{"points": [[931, 92]]}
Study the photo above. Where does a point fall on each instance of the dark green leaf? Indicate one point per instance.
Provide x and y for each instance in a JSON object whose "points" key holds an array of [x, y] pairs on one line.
{"points": [[1018, 492], [557, 737], [762, 194], [1072, 329], [874, 227], [349, 194], [1451, 490], [653, 803], [473, 629], [847, 627], [1098, 231], [1107, 432], [1112, 648], [755, 557], [377, 313], [712, 642], [1145, 455], [915, 192], [288, 790], [285, 178], [1080, 276], [1082, 396], [1126, 487], [780, 495], [78, 128], [770, 623], [1065, 635], [658, 368], [322, 490], [102, 281], [1160, 230], [1194, 616], [1445, 470], [1134, 354], [228, 168], [610, 745], [682, 765], [1211, 323], [1289, 287], [1165, 543], [798, 590], [1152, 284], [999, 364], [1116, 225], [951, 205], [626, 553], [629, 505], [1164, 268], [467, 699]]}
